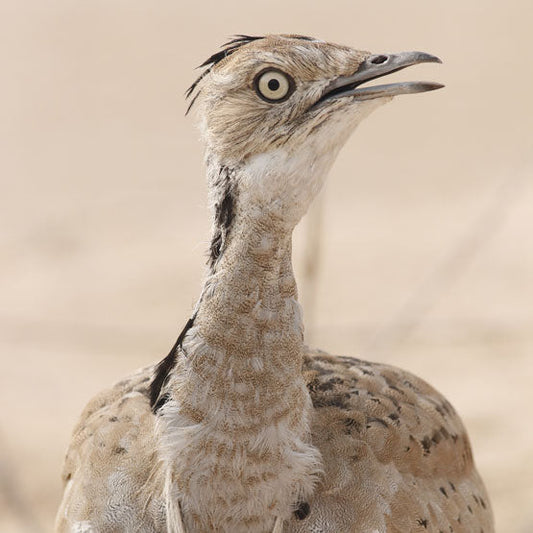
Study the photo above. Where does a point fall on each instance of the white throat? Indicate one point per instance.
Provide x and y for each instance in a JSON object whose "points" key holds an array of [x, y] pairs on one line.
{"points": [[282, 183]]}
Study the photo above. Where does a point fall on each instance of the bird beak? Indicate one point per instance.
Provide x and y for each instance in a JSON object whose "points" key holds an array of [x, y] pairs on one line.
{"points": [[376, 66]]}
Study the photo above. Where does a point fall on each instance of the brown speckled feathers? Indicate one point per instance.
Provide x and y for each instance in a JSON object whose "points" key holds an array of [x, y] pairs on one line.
{"points": [[372, 423], [381, 428]]}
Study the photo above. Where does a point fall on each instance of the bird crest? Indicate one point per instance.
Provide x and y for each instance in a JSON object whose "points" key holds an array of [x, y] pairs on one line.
{"points": [[226, 50], [236, 42]]}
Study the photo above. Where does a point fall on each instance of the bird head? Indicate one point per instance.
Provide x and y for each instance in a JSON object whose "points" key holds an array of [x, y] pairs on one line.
{"points": [[278, 109]]}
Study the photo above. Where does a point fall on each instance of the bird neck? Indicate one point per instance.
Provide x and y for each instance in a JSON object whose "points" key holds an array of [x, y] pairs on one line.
{"points": [[247, 336], [239, 409], [249, 304], [249, 309]]}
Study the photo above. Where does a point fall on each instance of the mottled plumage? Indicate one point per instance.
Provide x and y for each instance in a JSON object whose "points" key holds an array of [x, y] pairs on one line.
{"points": [[395, 455], [241, 428]]}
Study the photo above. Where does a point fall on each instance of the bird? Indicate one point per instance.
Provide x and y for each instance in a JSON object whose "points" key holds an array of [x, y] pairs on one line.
{"points": [[242, 428]]}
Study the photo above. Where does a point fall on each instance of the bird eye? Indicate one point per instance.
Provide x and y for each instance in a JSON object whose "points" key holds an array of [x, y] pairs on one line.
{"points": [[273, 85]]}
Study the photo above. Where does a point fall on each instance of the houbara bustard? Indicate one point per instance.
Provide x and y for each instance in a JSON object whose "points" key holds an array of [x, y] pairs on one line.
{"points": [[242, 428]]}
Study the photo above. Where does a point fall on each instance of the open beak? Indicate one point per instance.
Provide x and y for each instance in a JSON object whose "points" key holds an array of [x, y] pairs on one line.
{"points": [[376, 66]]}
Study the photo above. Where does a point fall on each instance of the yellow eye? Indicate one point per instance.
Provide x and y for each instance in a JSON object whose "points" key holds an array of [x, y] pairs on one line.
{"points": [[273, 85]]}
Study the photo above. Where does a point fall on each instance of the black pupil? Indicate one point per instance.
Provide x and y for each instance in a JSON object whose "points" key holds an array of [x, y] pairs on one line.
{"points": [[273, 84]]}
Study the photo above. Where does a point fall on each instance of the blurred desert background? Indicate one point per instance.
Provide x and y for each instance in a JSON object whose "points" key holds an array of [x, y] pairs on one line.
{"points": [[426, 252]]}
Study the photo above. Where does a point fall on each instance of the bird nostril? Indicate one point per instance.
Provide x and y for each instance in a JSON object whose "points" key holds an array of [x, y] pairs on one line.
{"points": [[377, 60]]}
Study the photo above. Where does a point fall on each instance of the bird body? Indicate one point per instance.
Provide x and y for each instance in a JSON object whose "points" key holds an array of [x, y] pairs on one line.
{"points": [[395, 457], [242, 428]]}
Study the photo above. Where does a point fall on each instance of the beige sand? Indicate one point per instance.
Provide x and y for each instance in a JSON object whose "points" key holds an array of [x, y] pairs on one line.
{"points": [[427, 259]]}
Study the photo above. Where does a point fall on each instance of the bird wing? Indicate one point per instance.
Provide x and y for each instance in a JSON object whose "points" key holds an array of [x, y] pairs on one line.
{"points": [[396, 454], [111, 472]]}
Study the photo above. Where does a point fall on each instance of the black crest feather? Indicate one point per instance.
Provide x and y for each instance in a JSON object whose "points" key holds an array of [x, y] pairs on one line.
{"points": [[164, 368], [226, 50], [224, 213]]}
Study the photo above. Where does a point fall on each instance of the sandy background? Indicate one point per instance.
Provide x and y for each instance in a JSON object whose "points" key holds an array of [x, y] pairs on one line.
{"points": [[427, 255]]}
